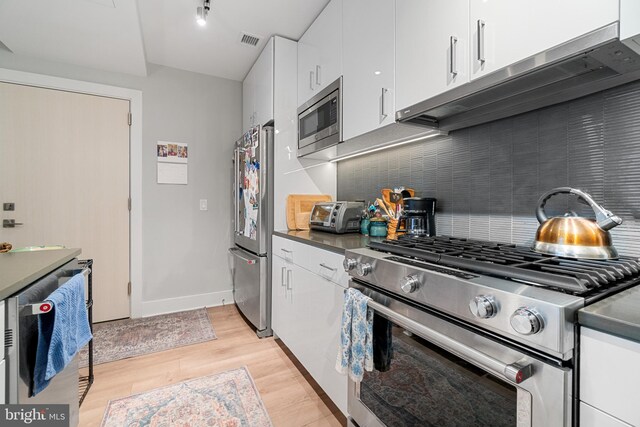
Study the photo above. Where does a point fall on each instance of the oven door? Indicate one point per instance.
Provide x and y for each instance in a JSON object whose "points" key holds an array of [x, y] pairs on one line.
{"points": [[442, 374]]}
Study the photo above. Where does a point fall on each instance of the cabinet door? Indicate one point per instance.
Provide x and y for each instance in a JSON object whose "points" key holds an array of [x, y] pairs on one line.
{"points": [[431, 48], [248, 101], [317, 304], [507, 31], [320, 52], [278, 296], [263, 104], [368, 65]]}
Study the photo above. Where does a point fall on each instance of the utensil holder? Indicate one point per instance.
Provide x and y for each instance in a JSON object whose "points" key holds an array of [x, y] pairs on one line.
{"points": [[392, 226]]}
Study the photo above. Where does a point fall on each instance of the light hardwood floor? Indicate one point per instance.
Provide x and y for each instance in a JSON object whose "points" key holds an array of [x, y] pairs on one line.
{"points": [[290, 395]]}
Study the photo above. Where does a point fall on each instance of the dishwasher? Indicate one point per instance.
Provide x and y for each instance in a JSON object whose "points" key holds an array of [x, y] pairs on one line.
{"points": [[21, 341]]}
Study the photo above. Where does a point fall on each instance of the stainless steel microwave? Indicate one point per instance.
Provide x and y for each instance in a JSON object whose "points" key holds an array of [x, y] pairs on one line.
{"points": [[320, 120]]}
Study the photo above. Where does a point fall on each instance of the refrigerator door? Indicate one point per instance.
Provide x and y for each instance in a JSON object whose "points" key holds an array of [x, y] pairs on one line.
{"points": [[251, 288], [252, 190]]}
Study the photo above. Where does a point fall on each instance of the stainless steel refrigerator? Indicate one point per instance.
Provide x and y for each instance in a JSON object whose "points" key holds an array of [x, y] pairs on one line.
{"points": [[253, 225]]}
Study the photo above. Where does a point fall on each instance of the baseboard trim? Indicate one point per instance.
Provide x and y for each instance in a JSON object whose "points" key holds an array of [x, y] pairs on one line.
{"points": [[190, 302]]}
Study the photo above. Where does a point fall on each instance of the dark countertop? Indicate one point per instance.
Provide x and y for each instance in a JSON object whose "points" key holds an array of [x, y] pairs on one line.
{"points": [[19, 269], [337, 243], [618, 315]]}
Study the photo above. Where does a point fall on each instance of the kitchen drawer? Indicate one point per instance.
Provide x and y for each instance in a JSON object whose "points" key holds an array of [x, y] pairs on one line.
{"points": [[609, 374], [325, 264], [592, 417]]}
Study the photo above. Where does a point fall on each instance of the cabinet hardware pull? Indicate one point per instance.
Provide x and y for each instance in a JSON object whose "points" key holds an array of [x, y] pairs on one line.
{"points": [[289, 274], [453, 43], [311, 80], [287, 251], [318, 80], [481, 25], [323, 265], [284, 276], [384, 111]]}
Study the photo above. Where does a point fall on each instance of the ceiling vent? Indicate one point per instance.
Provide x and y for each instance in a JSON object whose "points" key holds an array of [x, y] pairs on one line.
{"points": [[249, 39]]}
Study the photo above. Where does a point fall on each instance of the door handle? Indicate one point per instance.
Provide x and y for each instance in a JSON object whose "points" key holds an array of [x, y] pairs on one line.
{"points": [[318, 80], [284, 276], [311, 80], [289, 274], [481, 25], [323, 265], [516, 372], [10, 223], [235, 251], [453, 43], [384, 111]]}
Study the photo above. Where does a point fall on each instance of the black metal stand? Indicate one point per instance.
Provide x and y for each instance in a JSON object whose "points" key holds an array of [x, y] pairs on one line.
{"points": [[85, 381]]}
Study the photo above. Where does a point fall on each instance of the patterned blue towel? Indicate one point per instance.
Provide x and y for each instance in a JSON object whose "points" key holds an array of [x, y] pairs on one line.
{"points": [[356, 337], [61, 332]]}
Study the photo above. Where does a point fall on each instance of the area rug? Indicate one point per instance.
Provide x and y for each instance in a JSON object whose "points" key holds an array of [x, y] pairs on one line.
{"points": [[121, 339], [229, 399]]}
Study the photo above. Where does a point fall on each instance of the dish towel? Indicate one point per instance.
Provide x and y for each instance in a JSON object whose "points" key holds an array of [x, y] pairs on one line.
{"points": [[356, 344], [382, 343], [61, 332]]}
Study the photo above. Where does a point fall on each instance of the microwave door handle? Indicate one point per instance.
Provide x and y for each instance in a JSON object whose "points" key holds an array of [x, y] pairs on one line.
{"points": [[514, 372]]}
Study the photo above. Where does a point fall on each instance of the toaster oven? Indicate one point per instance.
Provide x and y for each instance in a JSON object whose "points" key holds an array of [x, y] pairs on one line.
{"points": [[337, 217]]}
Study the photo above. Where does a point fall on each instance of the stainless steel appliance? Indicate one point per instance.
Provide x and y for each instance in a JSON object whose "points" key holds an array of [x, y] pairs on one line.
{"points": [[591, 63], [320, 120], [22, 339], [573, 236], [253, 226], [337, 217], [482, 332]]}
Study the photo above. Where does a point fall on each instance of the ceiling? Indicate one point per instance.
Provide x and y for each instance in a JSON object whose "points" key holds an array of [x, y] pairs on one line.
{"points": [[124, 35]]}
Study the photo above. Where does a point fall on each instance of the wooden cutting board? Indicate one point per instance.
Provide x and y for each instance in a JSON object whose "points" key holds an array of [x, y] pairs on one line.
{"points": [[299, 208]]}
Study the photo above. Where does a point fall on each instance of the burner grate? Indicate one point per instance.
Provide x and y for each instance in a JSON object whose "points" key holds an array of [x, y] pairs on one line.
{"points": [[514, 262]]}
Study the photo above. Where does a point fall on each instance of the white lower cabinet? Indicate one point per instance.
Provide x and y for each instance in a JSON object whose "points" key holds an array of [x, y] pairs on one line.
{"points": [[306, 315], [609, 378]]}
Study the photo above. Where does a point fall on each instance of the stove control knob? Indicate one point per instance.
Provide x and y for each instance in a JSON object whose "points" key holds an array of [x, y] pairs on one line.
{"points": [[483, 306], [363, 268], [409, 284], [349, 264], [526, 321]]}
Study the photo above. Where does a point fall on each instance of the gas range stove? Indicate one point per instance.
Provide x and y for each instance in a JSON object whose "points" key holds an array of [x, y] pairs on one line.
{"points": [[504, 289]]}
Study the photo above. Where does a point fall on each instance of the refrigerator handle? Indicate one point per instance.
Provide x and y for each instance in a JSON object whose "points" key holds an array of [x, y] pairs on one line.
{"points": [[235, 252], [236, 189]]}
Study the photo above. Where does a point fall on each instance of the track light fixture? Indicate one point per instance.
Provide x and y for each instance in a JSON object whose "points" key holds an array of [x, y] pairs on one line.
{"points": [[202, 12]]}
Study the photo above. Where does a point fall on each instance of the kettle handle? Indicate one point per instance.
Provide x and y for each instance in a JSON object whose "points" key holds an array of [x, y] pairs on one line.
{"points": [[605, 219]]}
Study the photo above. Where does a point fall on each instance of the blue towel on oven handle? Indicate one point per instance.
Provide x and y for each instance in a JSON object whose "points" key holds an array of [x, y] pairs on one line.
{"points": [[356, 337], [62, 332]]}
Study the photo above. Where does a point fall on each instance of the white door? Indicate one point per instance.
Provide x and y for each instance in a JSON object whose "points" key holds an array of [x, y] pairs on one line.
{"points": [[368, 65], [64, 162], [432, 48], [511, 30]]}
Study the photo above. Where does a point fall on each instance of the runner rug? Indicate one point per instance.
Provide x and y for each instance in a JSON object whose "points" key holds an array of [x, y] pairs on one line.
{"points": [[121, 339], [226, 399]]}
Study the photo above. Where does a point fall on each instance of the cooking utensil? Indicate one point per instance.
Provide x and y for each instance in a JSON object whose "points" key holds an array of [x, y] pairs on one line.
{"points": [[572, 236]]}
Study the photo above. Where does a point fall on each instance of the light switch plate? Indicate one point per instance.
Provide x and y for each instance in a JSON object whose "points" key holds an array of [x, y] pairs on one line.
{"points": [[203, 205]]}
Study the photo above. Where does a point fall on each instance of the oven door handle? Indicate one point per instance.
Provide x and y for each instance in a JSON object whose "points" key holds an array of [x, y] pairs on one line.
{"points": [[514, 372]]}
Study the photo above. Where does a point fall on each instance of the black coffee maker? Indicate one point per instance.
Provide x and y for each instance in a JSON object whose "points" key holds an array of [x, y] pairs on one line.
{"points": [[419, 216]]}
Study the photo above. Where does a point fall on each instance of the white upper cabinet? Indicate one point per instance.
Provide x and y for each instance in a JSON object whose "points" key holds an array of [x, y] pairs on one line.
{"points": [[368, 65], [432, 48], [504, 32], [257, 90], [320, 52]]}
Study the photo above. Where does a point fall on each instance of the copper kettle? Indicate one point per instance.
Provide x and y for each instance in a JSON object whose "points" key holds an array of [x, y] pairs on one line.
{"points": [[573, 236]]}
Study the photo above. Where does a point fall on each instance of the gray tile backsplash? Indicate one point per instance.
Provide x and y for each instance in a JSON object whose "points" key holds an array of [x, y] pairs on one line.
{"points": [[488, 178]]}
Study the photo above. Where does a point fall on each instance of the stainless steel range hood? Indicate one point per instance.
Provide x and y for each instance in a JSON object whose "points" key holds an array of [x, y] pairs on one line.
{"points": [[588, 64]]}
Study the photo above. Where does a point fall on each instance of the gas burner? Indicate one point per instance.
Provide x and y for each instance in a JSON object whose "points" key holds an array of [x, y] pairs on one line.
{"points": [[514, 262]]}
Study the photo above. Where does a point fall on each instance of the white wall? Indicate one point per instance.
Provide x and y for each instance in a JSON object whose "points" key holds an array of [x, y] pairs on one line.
{"points": [[184, 250]]}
